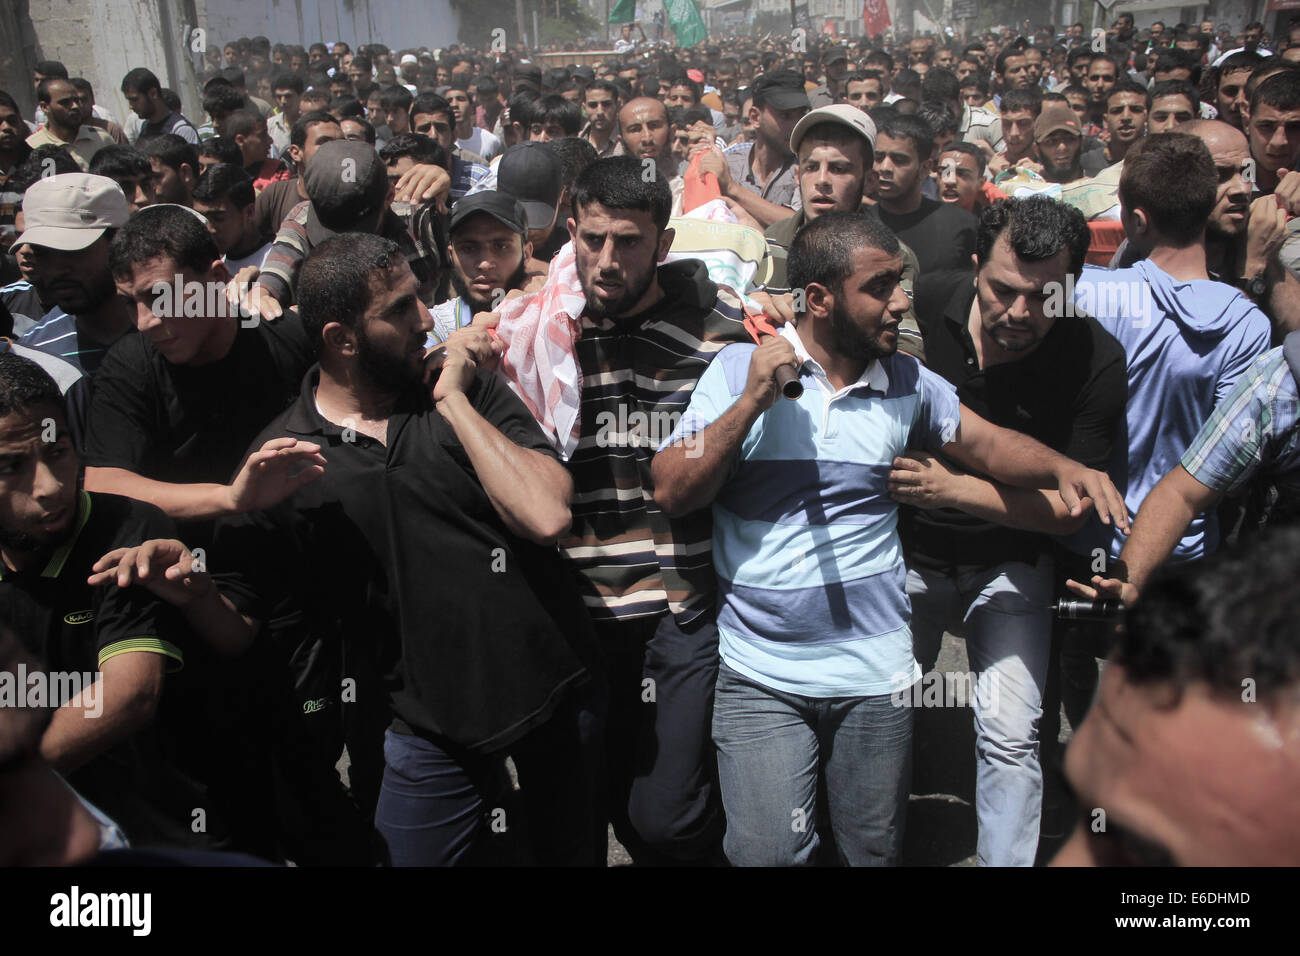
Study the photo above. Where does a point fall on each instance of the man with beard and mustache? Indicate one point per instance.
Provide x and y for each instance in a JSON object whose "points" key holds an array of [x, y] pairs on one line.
{"points": [[422, 565], [648, 332], [489, 252], [1059, 142], [999, 337], [69, 223], [817, 664]]}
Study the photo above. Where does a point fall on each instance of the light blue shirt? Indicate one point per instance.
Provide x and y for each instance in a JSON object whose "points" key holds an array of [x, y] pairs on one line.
{"points": [[805, 535]]}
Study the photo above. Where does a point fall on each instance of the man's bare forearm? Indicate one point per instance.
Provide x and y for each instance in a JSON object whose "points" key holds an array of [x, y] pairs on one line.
{"points": [[687, 479], [530, 491], [765, 212], [1161, 521], [124, 699], [1025, 509], [195, 502]]}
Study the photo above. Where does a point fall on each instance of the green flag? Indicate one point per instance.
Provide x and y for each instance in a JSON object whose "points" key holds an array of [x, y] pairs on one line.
{"points": [[686, 22], [624, 12]]}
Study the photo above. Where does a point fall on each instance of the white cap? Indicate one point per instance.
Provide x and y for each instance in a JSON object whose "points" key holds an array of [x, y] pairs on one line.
{"points": [[71, 210], [408, 58], [841, 113]]}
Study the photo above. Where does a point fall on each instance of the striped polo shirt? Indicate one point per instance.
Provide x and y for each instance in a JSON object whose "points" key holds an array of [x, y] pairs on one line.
{"points": [[637, 377], [805, 536]]}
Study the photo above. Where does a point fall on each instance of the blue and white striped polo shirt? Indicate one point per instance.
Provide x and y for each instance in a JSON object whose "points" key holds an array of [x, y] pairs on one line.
{"points": [[805, 536]]}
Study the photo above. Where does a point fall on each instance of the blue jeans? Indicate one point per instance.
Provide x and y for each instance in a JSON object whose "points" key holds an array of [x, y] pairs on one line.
{"points": [[1003, 612], [435, 797], [771, 746]]}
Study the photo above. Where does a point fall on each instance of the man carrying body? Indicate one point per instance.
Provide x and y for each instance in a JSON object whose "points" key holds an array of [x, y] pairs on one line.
{"points": [[813, 614]]}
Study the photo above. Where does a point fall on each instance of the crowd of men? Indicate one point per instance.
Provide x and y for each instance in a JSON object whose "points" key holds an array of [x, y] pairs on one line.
{"points": [[1015, 332]]}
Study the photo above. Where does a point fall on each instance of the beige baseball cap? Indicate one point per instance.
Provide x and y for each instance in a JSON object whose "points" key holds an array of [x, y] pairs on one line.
{"points": [[71, 210], [841, 113]]}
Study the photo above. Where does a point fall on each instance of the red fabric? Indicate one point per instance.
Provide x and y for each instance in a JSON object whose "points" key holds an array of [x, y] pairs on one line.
{"points": [[699, 187], [875, 17], [1106, 237]]}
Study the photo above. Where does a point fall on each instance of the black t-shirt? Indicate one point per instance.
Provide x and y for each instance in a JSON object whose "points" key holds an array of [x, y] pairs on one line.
{"points": [[941, 234], [397, 560], [1069, 393], [184, 423], [152, 782]]}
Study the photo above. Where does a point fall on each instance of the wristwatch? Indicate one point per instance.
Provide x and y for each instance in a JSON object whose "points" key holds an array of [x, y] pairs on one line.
{"points": [[1256, 287]]}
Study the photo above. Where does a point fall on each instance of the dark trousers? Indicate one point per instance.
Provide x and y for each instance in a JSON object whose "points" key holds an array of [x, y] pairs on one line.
{"points": [[437, 800], [661, 765]]}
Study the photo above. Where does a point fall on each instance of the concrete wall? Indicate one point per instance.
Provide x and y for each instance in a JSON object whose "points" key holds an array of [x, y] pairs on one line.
{"points": [[398, 23], [103, 39], [100, 40]]}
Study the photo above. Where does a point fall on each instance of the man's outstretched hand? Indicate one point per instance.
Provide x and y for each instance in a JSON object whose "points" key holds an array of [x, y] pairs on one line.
{"points": [[273, 473]]}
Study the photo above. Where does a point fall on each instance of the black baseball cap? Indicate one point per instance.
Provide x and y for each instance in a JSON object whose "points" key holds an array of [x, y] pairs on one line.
{"points": [[532, 174], [834, 55], [345, 182], [503, 208], [781, 90]]}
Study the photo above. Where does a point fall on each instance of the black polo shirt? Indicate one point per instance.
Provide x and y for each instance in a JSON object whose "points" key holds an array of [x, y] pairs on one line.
{"points": [[476, 633], [192, 423], [1069, 393], [149, 783]]}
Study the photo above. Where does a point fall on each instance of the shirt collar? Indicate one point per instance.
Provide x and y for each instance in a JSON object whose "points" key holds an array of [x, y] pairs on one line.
{"points": [[54, 567], [873, 376]]}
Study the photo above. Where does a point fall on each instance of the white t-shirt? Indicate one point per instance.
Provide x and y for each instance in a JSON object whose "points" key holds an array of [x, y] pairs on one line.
{"points": [[254, 258], [482, 142]]}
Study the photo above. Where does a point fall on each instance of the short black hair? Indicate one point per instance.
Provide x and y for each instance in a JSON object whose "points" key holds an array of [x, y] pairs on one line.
{"points": [[141, 80], [1171, 176], [163, 230], [225, 179], [221, 99], [242, 122], [367, 128], [1221, 622], [421, 148], [822, 251], [287, 81], [171, 150], [1175, 88], [298, 135], [334, 282], [940, 84], [51, 68], [971, 150], [117, 161], [34, 167], [603, 85], [395, 98], [25, 386], [1038, 228], [1126, 85], [223, 149], [1280, 91], [554, 108], [1028, 98], [575, 154], [938, 115], [898, 125], [430, 104], [616, 182]]}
